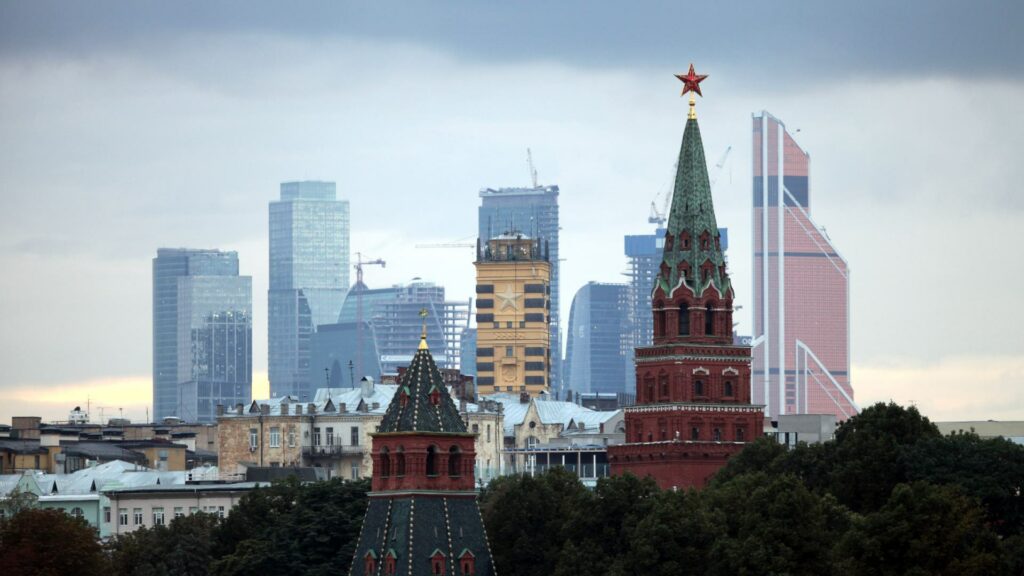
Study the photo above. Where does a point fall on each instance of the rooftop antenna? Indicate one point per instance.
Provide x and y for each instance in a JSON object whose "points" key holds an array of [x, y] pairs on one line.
{"points": [[533, 171], [352, 373]]}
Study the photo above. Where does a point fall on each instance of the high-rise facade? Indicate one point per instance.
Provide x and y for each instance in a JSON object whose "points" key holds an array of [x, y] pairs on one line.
{"points": [[693, 408], [801, 287], [202, 333], [599, 344], [309, 276], [534, 213], [513, 303]]}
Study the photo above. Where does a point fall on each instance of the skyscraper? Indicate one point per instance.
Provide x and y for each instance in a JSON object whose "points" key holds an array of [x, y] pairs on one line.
{"points": [[309, 262], [599, 342], [202, 333], [513, 286], [534, 213], [801, 287]]}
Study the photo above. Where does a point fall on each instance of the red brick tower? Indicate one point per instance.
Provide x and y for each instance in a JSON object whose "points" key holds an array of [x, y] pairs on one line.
{"points": [[693, 406], [422, 519]]}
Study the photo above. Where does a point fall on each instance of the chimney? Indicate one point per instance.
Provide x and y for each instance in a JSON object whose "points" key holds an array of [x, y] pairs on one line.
{"points": [[342, 407], [298, 409], [284, 408], [220, 410], [265, 409], [367, 386], [375, 406], [311, 408], [462, 404], [524, 398], [239, 408]]}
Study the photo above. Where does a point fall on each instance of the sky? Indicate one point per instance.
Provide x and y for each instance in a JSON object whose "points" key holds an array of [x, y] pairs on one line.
{"points": [[128, 126]]}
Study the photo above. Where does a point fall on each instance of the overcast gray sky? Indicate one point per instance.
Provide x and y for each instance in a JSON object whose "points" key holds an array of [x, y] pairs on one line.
{"points": [[126, 126]]}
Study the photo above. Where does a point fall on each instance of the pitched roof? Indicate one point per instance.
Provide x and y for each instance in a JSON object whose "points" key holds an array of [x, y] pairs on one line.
{"points": [[693, 212], [411, 408]]}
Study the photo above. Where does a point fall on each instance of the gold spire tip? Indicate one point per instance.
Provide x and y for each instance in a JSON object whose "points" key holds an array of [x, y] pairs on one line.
{"points": [[423, 335], [693, 108]]}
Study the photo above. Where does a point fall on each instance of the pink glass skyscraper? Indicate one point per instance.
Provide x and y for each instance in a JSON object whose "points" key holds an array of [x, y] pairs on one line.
{"points": [[801, 356]]}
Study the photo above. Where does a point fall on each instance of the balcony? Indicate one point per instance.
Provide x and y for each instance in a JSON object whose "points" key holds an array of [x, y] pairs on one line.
{"points": [[332, 451]]}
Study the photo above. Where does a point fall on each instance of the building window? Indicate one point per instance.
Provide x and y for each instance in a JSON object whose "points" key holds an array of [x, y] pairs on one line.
{"points": [[432, 460], [509, 351], [709, 320], [740, 434], [535, 351], [534, 302], [193, 510], [485, 366], [728, 387], [485, 288], [137, 516], [684, 320], [484, 352], [488, 432], [355, 470], [353, 434], [716, 434], [106, 514], [454, 462], [122, 516], [275, 437], [535, 380], [77, 512], [534, 289], [485, 380], [698, 388], [437, 564], [220, 511], [485, 303], [482, 318], [400, 462], [695, 433], [316, 436], [179, 511], [534, 316], [291, 439], [158, 516], [535, 366], [330, 436], [254, 438]]}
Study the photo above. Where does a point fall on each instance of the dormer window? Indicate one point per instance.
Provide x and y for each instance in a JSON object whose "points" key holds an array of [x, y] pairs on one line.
{"points": [[390, 563], [685, 239], [403, 397], [369, 563], [437, 563], [435, 396], [467, 563]]}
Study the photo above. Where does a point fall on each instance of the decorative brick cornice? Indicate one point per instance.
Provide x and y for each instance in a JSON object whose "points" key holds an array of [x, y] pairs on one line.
{"points": [[693, 407]]}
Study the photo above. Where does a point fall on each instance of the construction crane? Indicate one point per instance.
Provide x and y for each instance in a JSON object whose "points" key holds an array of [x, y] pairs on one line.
{"points": [[659, 217], [358, 289], [533, 171]]}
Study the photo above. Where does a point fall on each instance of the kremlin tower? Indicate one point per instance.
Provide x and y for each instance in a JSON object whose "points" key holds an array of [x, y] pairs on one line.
{"points": [[423, 517], [693, 407]]}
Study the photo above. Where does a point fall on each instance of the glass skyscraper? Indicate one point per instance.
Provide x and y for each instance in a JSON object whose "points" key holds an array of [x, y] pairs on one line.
{"points": [[534, 213], [202, 333], [309, 276], [599, 344], [801, 355]]}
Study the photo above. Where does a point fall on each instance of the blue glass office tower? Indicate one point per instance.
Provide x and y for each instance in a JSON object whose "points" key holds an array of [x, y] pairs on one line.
{"points": [[599, 350], [533, 212], [202, 333], [309, 262]]}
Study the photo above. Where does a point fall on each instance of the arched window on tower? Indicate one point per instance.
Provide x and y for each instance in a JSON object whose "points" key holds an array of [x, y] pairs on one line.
{"points": [[432, 460], [659, 318], [709, 320], [400, 461], [454, 461], [698, 388], [385, 462], [728, 388], [684, 319]]}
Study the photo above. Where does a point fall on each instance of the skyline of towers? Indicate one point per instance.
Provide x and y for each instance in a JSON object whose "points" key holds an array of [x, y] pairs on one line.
{"points": [[513, 305], [801, 358], [202, 333], [599, 345], [309, 278], [533, 212]]}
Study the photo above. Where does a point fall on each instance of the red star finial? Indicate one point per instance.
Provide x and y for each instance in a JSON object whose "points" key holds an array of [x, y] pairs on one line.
{"points": [[691, 82]]}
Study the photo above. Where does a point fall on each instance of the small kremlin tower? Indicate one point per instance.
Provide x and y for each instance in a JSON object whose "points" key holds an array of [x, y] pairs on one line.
{"points": [[423, 517], [693, 407]]}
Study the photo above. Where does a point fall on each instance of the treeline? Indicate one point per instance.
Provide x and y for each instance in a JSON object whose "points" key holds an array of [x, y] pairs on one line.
{"points": [[890, 495]]}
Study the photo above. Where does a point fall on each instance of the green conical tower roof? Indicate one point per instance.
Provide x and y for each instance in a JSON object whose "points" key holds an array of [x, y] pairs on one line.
{"points": [[692, 216], [422, 402]]}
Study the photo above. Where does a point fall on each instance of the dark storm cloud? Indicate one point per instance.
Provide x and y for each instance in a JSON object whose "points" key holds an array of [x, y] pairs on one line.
{"points": [[788, 40]]}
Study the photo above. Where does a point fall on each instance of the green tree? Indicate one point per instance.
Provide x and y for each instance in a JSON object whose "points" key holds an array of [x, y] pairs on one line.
{"points": [[183, 548], [526, 520], [291, 528], [922, 529], [38, 542]]}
